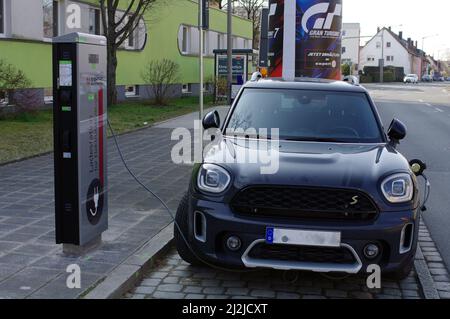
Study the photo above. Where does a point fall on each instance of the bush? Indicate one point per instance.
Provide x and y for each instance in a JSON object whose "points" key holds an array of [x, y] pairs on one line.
{"points": [[12, 79], [389, 76], [365, 79], [160, 75], [345, 69]]}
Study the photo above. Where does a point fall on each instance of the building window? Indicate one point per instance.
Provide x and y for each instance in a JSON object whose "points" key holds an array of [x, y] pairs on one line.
{"points": [[186, 88], [219, 41], [131, 90], [343, 50], [3, 98], [390, 58], [94, 21], [370, 58], [50, 22], [185, 40], [2, 17], [344, 33], [388, 45], [378, 45]]}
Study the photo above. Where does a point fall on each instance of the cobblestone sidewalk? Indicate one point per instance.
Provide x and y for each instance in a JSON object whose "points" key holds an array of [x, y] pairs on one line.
{"points": [[175, 279]]}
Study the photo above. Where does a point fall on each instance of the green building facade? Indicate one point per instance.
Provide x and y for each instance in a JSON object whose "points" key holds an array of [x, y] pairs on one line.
{"points": [[168, 31]]}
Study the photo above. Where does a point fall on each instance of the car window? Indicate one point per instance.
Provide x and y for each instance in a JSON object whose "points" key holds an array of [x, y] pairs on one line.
{"points": [[306, 115]]}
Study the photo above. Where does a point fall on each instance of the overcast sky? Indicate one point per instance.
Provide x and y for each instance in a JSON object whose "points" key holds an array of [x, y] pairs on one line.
{"points": [[419, 18]]}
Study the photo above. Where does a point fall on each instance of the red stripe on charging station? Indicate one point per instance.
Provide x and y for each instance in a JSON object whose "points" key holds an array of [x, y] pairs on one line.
{"points": [[100, 135]]}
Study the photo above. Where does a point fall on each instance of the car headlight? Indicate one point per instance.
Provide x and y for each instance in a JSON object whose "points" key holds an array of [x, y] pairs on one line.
{"points": [[213, 178], [398, 188]]}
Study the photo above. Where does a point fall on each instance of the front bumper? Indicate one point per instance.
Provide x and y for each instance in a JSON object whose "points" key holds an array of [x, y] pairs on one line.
{"points": [[219, 222]]}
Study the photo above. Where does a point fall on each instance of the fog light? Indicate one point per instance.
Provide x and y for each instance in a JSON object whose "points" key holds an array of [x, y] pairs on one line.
{"points": [[371, 251], [234, 243]]}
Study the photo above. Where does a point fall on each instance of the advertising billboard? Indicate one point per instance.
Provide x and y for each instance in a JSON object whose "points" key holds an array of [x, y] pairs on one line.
{"points": [[305, 38]]}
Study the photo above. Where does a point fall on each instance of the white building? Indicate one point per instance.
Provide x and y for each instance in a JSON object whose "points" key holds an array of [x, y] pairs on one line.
{"points": [[351, 33], [394, 49]]}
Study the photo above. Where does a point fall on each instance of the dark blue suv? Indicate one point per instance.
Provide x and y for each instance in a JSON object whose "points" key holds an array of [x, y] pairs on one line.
{"points": [[339, 198]]}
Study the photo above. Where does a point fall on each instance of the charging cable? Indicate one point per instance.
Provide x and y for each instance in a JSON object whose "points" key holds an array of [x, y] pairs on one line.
{"points": [[166, 207]]}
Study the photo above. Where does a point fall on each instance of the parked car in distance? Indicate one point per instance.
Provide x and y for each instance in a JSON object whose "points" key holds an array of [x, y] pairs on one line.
{"points": [[447, 78], [427, 78], [411, 78]]}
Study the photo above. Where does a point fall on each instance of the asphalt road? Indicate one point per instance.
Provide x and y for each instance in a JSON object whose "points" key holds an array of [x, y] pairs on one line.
{"points": [[425, 109]]}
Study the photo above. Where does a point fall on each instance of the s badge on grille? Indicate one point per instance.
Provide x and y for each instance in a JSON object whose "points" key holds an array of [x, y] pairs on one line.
{"points": [[355, 200]]}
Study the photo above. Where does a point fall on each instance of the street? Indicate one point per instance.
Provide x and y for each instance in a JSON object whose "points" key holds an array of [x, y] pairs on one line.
{"points": [[425, 109]]}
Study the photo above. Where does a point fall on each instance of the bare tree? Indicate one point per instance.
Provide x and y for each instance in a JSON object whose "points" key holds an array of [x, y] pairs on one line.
{"points": [[160, 75], [117, 27], [251, 9]]}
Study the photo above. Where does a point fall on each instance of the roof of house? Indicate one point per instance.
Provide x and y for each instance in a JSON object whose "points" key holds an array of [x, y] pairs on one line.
{"points": [[410, 48]]}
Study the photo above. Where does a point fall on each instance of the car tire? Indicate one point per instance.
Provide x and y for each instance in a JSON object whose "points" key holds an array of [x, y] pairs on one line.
{"points": [[403, 272], [182, 247]]}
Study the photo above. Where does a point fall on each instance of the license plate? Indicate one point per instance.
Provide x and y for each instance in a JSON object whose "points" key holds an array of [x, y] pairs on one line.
{"points": [[303, 237]]}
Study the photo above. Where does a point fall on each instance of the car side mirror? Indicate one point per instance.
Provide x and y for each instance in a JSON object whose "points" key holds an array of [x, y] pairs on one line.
{"points": [[417, 167], [397, 131], [211, 120]]}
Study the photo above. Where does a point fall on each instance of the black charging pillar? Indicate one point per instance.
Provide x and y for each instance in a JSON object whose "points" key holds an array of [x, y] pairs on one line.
{"points": [[79, 83]]}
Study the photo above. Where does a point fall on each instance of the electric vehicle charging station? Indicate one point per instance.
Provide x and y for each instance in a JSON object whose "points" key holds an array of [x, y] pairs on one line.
{"points": [[80, 119]]}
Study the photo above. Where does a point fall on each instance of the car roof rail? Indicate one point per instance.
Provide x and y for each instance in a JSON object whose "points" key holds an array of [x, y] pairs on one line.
{"points": [[256, 76]]}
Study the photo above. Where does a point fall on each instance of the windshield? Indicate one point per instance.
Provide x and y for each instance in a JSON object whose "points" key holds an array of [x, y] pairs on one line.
{"points": [[302, 115]]}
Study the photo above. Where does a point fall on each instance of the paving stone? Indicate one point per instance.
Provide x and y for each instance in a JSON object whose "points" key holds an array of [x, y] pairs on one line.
{"points": [[193, 289], [436, 265], [195, 296], [443, 286], [170, 287], [158, 275], [437, 271], [260, 293], [444, 294], [237, 291], [410, 293], [313, 297], [168, 295], [144, 290], [433, 258], [287, 295], [441, 278], [393, 292], [151, 282], [217, 297], [213, 290], [234, 283], [171, 280]]}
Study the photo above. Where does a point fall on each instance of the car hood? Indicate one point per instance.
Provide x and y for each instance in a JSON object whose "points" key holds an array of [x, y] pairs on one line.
{"points": [[352, 166]]}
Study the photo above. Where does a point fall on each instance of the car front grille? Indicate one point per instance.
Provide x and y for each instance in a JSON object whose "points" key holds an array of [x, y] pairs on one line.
{"points": [[340, 255], [308, 203]]}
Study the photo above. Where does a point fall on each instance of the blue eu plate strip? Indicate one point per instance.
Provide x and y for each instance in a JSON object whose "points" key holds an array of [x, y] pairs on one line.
{"points": [[269, 235]]}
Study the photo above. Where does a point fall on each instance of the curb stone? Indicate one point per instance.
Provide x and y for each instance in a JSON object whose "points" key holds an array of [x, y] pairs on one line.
{"points": [[435, 284], [125, 276]]}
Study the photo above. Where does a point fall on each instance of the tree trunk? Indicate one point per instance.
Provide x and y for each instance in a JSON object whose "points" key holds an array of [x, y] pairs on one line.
{"points": [[111, 75]]}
